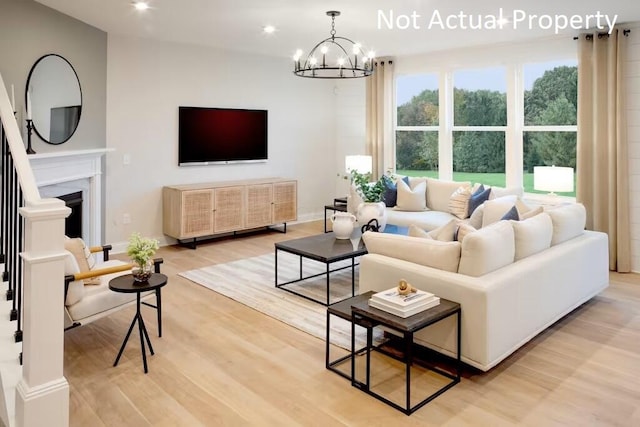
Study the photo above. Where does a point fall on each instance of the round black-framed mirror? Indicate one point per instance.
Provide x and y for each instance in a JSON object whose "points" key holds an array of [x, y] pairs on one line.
{"points": [[54, 99]]}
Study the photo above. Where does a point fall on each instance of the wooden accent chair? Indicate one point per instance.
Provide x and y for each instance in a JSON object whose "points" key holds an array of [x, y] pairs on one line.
{"points": [[86, 288]]}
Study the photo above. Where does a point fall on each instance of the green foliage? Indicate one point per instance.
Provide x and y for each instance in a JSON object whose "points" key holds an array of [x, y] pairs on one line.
{"points": [[370, 192], [141, 249], [422, 110], [551, 101], [478, 152]]}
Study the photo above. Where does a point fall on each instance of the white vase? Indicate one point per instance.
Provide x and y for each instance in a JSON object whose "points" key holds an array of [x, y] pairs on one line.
{"points": [[343, 223], [369, 211]]}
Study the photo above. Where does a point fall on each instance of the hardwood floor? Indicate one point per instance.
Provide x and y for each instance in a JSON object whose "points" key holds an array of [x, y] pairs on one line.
{"points": [[222, 363]]}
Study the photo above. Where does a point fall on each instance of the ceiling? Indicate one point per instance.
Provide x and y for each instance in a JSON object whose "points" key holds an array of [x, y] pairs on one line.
{"points": [[238, 24]]}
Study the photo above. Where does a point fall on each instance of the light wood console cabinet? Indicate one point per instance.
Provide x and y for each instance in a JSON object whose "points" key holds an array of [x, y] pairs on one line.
{"points": [[200, 210]]}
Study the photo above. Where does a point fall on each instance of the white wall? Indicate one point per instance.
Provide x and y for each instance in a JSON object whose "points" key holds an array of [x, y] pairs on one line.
{"points": [[350, 109], [632, 76], [148, 80]]}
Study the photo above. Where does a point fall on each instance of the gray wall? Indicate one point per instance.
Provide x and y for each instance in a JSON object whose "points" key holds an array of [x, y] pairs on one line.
{"points": [[29, 30]]}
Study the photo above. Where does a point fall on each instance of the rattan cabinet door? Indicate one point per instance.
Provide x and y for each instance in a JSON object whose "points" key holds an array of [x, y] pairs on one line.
{"points": [[285, 205], [259, 200], [197, 213], [228, 211]]}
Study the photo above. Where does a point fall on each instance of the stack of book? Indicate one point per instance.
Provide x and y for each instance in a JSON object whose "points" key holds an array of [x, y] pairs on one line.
{"points": [[403, 306]]}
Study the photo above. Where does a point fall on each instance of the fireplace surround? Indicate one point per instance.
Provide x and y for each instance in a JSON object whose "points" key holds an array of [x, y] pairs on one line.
{"points": [[65, 172]]}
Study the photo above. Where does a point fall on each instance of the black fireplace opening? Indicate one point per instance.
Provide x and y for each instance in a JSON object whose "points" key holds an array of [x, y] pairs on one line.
{"points": [[73, 223]]}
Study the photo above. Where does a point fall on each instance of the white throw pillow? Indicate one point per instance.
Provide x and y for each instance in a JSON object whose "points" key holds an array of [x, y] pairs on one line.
{"points": [[411, 199], [568, 222], [495, 209], [439, 192], [446, 232], [464, 229], [509, 191], [459, 202], [532, 235], [531, 213], [487, 249], [415, 231], [431, 253], [475, 220]]}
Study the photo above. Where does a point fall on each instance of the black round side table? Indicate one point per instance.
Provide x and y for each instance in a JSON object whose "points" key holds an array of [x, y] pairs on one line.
{"points": [[126, 284]]}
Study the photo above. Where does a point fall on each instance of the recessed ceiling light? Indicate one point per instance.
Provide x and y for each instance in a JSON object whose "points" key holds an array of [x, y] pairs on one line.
{"points": [[269, 29], [141, 5]]}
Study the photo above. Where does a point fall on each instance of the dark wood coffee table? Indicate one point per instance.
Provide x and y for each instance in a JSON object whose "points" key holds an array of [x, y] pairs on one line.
{"points": [[324, 248]]}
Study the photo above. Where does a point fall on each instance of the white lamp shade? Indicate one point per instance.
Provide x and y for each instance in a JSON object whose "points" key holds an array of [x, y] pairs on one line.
{"points": [[553, 178], [359, 163]]}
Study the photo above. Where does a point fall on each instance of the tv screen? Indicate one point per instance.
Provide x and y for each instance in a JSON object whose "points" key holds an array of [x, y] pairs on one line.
{"points": [[221, 135]]}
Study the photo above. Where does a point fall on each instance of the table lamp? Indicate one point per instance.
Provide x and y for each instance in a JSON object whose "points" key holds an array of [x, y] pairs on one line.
{"points": [[552, 179], [359, 163]]}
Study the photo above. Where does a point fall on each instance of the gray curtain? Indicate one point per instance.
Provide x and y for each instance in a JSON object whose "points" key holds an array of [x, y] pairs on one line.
{"points": [[380, 115], [602, 168]]}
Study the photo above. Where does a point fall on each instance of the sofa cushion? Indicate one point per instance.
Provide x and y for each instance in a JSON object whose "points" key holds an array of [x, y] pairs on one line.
{"points": [[415, 231], [463, 230], [431, 253], [480, 196], [411, 199], [532, 235], [495, 209], [568, 222], [427, 220], [84, 259], [508, 191], [459, 202], [487, 249], [444, 233], [439, 192], [531, 212], [475, 220], [390, 194], [512, 214]]}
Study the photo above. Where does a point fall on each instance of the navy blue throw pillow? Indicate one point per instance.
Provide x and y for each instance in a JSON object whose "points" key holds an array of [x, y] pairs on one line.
{"points": [[479, 197], [390, 194], [511, 214]]}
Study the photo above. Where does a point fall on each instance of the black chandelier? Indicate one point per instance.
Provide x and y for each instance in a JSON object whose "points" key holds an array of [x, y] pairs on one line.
{"points": [[334, 58]]}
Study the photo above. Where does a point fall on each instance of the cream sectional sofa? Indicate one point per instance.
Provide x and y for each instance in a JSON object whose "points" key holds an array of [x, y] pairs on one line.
{"points": [[512, 279]]}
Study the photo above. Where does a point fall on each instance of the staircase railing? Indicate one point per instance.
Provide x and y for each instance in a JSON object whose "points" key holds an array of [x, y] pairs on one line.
{"points": [[32, 251]]}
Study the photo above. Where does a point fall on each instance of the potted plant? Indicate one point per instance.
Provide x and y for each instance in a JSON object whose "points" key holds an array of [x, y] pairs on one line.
{"points": [[141, 250], [371, 193]]}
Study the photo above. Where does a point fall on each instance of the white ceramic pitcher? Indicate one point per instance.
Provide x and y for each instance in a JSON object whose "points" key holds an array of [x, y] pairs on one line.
{"points": [[343, 223]]}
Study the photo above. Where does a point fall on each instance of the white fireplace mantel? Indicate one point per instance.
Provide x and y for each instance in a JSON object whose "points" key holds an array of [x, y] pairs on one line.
{"points": [[80, 168]]}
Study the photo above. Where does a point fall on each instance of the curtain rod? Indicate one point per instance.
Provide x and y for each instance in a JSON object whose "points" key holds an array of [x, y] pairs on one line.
{"points": [[625, 33]]}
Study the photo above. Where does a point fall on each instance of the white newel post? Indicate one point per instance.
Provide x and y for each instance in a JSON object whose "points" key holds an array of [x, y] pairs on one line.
{"points": [[42, 395]]}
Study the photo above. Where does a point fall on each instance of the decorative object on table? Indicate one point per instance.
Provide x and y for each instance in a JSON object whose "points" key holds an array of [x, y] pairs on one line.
{"points": [[372, 225], [405, 288], [343, 224], [30, 149], [403, 305], [552, 179], [141, 250], [334, 57], [371, 193]]}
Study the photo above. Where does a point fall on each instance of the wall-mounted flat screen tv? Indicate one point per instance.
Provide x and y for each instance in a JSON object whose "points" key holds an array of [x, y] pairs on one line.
{"points": [[221, 135]]}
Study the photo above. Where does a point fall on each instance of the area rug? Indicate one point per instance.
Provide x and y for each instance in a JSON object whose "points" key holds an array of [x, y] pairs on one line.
{"points": [[251, 282]]}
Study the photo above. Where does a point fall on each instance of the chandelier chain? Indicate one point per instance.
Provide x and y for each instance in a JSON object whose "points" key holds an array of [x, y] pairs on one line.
{"points": [[333, 27]]}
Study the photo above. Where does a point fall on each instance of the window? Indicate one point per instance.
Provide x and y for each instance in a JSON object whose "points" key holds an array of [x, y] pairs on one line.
{"points": [[417, 117], [550, 116], [480, 119], [477, 131]]}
